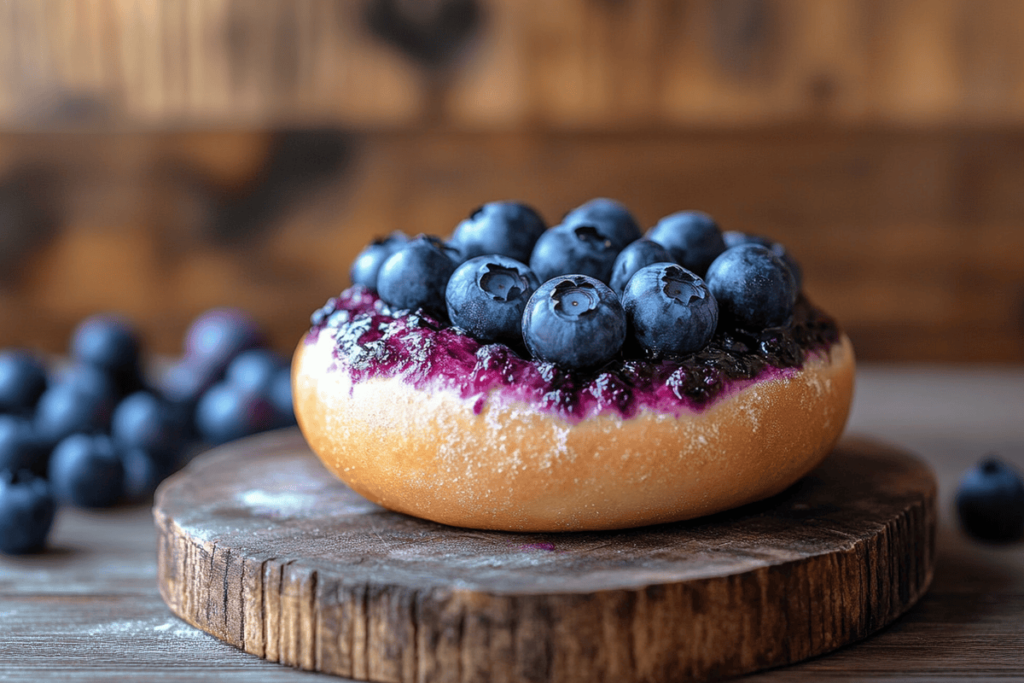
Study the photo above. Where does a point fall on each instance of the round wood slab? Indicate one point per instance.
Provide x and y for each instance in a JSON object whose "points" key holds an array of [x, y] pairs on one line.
{"points": [[262, 547]]}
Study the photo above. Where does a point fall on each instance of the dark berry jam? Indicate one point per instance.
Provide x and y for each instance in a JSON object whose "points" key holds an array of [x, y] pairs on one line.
{"points": [[373, 341]]}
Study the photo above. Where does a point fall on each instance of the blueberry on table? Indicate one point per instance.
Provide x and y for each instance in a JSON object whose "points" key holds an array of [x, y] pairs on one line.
{"points": [[217, 336], [611, 217], [65, 409], [254, 370], [670, 309], [367, 264], [416, 275], [754, 288], [281, 397], [26, 512], [635, 256], [990, 501], [20, 448], [574, 321], [147, 422], [487, 296], [22, 381], [691, 237], [505, 228], [142, 474], [226, 413], [86, 470], [112, 344], [579, 249], [733, 239]]}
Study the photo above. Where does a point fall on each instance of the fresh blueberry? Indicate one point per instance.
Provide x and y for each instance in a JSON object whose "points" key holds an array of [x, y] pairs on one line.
{"points": [[416, 275], [217, 336], [187, 380], [92, 380], [27, 509], [693, 238], [281, 397], [142, 474], [145, 421], [753, 287], [226, 413], [367, 264], [20, 448], [637, 255], [505, 228], [112, 344], [574, 321], [65, 409], [612, 218], [22, 381], [86, 470], [578, 249], [990, 501], [487, 296], [733, 238], [670, 309], [254, 370]]}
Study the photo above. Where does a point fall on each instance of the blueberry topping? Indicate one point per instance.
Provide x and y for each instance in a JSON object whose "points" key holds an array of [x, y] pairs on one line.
{"points": [[505, 228], [487, 296], [612, 218], [367, 265], [691, 237], [217, 336], [27, 510], [575, 321], [754, 288], [65, 409], [146, 422], [670, 309], [579, 248], [22, 381], [416, 276], [109, 343], [20, 448], [86, 470], [226, 413], [734, 239], [990, 501], [254, 370], [637, 255]]}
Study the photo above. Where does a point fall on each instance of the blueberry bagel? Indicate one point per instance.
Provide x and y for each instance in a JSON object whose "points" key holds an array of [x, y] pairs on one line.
{"points": [[686, 394]]}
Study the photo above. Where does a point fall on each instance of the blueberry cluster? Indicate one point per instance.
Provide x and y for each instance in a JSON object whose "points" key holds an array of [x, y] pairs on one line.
{"points": [[96, 432], [591, 288]]}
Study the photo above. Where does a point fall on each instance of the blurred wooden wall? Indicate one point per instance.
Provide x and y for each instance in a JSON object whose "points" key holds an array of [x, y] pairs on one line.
{"points": [[161, 158]]}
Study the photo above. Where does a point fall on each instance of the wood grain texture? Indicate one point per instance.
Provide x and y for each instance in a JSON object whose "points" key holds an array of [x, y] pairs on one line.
{"points": [[261, 547]]}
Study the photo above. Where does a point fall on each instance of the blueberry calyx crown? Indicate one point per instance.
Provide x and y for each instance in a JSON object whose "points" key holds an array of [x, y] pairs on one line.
{"points": [[680, 285], [504, 284], [592, 236], [574, 297]]}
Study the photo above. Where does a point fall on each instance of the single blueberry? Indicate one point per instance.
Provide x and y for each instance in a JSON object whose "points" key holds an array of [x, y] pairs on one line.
{"points": [[22, 381], [416, 275], [112, 344], [505, 228], [142, 474], [186, 380], [92, 380], [86, 470], [281, 397], [733, 238], [692, 237], [487, 296], [20, 448], [226, 413], [254, 370], [367, 264], [612, 218], [217, 336], [27, 510], [147, 422], [580, 249], [990, 501], [574, 321], [635, 256], [65, 409], [670, 309], [753, 287]]}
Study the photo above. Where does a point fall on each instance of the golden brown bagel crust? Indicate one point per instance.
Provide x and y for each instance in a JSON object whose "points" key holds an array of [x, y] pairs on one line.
{"points": [[515, 468]]}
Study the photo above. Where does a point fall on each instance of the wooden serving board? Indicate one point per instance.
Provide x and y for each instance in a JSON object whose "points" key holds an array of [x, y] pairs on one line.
{"points": [[262, 547]]}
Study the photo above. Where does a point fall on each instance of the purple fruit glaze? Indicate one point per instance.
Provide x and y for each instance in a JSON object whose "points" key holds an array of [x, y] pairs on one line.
{"points": [[373, 341]]}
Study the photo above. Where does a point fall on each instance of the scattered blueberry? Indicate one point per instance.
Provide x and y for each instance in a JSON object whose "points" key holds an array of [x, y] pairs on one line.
{"points": [[670, 309], [20, 448], [142, 474], [990, 501], [367, 264], [691, 237], [27, 510], [281, 397], [416, 275], [753, 287], [111, 344], [254, 370], [145, 421], [85, 470], [487, 296], [505, 228], [65, 409], [637, 255], [579, 248], [217, 336], [22, 381], [612, 218], [226, 413], [733, 239], [574, 321]]}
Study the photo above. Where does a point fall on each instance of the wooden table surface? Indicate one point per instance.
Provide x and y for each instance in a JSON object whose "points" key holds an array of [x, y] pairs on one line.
{"points": [[89, 609]]}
